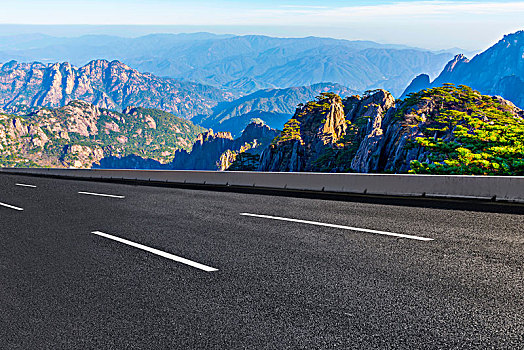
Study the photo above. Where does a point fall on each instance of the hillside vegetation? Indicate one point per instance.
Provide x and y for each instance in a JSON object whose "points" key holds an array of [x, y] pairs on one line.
{"points": [[80, 135], [469, 133]]}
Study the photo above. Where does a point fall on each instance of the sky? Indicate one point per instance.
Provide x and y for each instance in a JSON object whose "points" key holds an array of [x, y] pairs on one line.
{"points": [[470, 25]]}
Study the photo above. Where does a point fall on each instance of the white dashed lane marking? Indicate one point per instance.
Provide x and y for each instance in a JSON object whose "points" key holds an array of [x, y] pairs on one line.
{"points": [[157, 252], [10, 206], [385, 233], [102, 195], [25, 185]]}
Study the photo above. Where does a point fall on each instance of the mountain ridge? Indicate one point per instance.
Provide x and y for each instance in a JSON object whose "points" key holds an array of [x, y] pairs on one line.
{"points": [[244, 64], [112, 85], [274, 106], [497, 71]]}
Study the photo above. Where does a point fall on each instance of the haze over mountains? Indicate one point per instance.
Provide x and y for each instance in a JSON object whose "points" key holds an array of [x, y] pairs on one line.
{"points": [[240, 64]]}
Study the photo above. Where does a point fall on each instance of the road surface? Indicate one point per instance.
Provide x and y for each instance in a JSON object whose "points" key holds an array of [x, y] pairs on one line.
{"points": [[114, 266]]}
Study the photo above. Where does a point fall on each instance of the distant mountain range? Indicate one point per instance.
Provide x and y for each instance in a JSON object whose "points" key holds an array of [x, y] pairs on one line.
{"points": [[496, 71], [24, 87], [240, 64]]}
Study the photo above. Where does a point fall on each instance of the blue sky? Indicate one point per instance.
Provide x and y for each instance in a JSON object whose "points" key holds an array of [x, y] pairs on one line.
{"points": [[471, 25]]}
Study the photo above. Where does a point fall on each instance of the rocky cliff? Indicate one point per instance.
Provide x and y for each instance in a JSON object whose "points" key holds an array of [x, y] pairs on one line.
{"points": [[445, 130], [110, 85], [206, 152], [210, 151], [496, 71], [81, 134], [317, 125], [218, 151]]}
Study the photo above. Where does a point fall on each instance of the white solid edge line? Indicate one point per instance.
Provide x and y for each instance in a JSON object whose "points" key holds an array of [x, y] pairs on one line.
{"points": [[101, 195], [10, 206], [157, 252], [341, 227], [25, 185]]}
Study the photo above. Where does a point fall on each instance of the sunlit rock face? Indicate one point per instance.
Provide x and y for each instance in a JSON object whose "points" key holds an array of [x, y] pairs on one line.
{"points": [[110, 85]]}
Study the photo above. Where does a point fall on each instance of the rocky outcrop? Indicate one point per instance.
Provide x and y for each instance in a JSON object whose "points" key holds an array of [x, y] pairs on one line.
{"points": [[78, 156], [218, 151], [258, 132], [432, 130], [226, 160], [455, 64], [321, 126], [205, 153], [81, 135], [109, 85], [373, 108]]}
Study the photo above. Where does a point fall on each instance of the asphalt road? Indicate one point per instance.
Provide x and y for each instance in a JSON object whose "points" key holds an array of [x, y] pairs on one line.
{"points": [[271, 283]]}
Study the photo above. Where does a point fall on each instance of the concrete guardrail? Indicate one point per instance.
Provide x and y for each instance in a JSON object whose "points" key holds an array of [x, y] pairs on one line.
{"points": [[509, 189]]}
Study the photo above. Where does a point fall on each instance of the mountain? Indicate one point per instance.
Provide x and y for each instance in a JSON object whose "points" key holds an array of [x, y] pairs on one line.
{"points": [[496, 71], [81, 134], [446, 130], [273, 106], [111, 85], [241, 64]]}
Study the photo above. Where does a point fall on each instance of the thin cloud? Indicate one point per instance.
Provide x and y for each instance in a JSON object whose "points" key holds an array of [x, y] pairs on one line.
{"points": [[471, 24], [303, 7], [401, 10], [175, 13]]}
